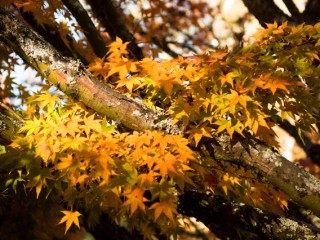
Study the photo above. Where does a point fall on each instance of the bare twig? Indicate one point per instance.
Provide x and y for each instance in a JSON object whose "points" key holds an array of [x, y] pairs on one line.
{"points": [[90, 31]]}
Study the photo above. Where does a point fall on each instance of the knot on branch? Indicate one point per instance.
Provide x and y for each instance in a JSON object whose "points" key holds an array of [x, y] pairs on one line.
{"points": [[164, 123]]}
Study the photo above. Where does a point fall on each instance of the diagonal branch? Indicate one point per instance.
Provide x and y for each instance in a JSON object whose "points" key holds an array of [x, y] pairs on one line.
{"points": [[73, 79], [266, 11], [255, 223], [108, 16], [90, 31], [292, 179], [70, 76], [292, 8]]}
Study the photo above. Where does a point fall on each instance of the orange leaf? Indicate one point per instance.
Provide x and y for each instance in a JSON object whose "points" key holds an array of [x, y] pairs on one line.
{"points": [[70, 217], [135, 200]]}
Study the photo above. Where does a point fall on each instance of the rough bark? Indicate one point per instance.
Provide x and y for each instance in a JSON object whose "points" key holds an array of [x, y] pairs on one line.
{"points": [[71, 77], [51, 35], [292, 179], [240, 219]]}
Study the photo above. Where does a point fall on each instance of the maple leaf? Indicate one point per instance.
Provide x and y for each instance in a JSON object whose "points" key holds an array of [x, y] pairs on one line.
{"points": [[99, 67], [45, 100], [198, 132], [149, 177], [229, 77], [37, 182], [45, 151], [166, 208], [75, 143], [234, 98], [70, 217], [167, 164], [65, 162], [91, 124], [122, 67], [117, 45], [167, 84], [139, 140], [135, 200], [275, 84], [129, 82]]}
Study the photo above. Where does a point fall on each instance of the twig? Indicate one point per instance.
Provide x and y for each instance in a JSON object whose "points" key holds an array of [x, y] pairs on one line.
{"points": [[12, 112]]}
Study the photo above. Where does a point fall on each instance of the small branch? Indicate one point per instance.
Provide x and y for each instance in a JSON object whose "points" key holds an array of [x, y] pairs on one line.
{"points": [[292, 8], [266, 11], [90, 31], [107, 14], [164, 46], [12, 112]]}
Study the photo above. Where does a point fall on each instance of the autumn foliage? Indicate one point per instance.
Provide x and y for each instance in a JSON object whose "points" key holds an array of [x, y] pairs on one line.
{"points": [[97, 166]]}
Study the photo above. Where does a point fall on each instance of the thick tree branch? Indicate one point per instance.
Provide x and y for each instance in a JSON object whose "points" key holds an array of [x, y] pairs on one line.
{"points": [[90, 31], [292, 179], [254, 223], [105, 11], [71, 77]]}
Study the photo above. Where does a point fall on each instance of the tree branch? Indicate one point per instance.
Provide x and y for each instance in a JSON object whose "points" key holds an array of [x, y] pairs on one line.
{"points": [[107, 14], [51, 35], [292, 8], [254, 223], [70, 76], [266, 11], [164, 46], [292, 179], [90, 31]]}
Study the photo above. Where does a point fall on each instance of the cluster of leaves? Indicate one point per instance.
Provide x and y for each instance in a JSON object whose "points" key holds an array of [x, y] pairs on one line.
{"points": [[247, 91], [68, 150], [238, 183]]}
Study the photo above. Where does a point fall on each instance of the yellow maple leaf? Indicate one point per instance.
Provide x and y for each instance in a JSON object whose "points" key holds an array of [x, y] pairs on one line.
{"points": [[167, 164], [129, 82], [198, 132], [228, 78], [117, 47], [135, 200], [65, 162], [70, 217]]}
